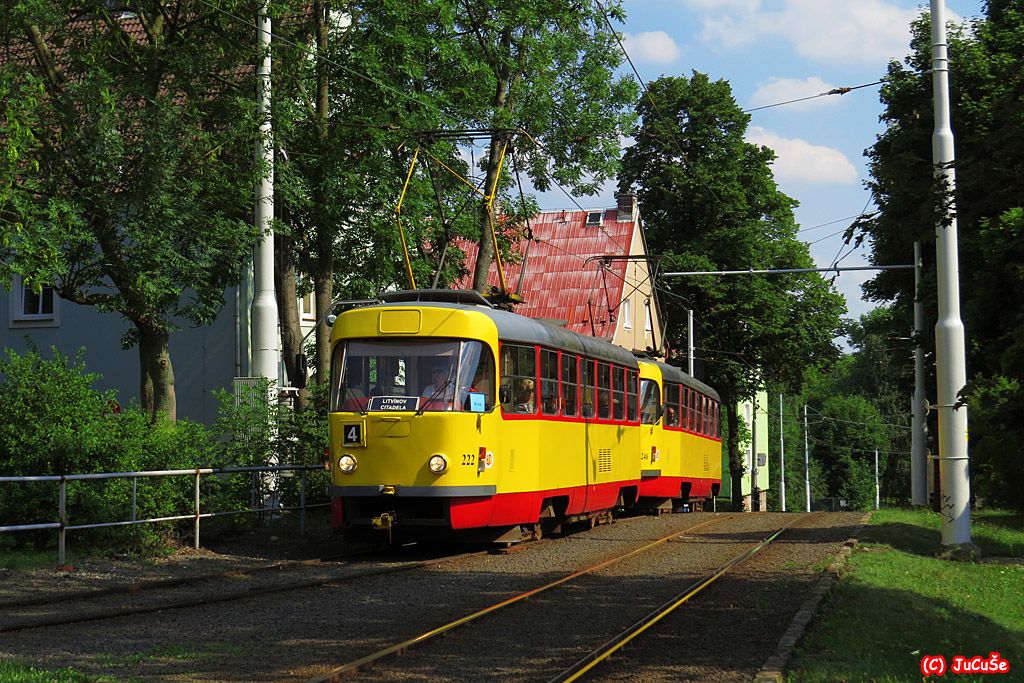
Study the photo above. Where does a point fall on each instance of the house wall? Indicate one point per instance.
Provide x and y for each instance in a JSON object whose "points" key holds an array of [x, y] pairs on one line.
{"points": [[755, 454], [204, 359], [630, 324]]}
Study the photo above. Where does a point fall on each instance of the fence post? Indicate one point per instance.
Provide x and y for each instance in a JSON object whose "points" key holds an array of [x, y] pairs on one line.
{"points": [[62, 515], [135, 490], [252, 498], [196, 533], [302, 502]]}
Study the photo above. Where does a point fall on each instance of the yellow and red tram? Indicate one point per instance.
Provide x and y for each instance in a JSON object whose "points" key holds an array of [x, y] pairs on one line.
{"points": [[680, 435], [449, 415]]}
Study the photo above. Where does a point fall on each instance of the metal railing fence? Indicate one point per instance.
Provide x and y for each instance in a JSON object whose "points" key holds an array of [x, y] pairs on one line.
{"points": [[62, 526]]}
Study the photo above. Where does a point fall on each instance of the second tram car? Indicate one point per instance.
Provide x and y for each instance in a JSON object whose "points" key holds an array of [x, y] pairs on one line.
{"points": [[448, 415]]}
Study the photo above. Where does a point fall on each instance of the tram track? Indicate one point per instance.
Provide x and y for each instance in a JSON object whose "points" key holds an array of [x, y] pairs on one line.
{"points": [[585, 664], [350, 669], [62, 616], [301, 634]]}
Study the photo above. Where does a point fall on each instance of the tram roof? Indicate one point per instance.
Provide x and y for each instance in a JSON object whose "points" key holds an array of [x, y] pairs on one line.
{"points": [[671, 373], [511, 326]]}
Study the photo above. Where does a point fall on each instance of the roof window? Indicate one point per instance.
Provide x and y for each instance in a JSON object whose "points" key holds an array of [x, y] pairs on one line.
{"points": [[594, 218]]}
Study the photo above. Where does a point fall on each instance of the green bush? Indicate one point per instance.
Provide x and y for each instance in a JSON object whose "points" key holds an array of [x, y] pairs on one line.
{"points": [[253, 432], [996, 406], [53, 422]]}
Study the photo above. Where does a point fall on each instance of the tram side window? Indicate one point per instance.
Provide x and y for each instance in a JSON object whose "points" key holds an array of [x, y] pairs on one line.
{"points": [[684, 420], [716, 425], [549, 382], [702, 415], [618, 393], [588, 385], [476, 378], [604, 391], [518, 379], [569, 384], [673, 411], [632, 395], [690, 406], [650, 402]]}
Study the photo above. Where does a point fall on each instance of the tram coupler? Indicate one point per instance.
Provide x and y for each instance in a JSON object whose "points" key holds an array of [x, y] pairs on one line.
{"points": [[384, 521]]}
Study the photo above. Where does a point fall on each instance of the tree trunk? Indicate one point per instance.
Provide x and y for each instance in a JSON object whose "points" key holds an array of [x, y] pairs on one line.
{"points": [[288, 307], [323, 279], [485, 255], [735, 457], [324, 296], [156, 373]]}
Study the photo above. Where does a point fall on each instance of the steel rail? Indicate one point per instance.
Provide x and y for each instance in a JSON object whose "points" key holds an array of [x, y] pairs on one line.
{"points": [[339, 673], [113, 613], [618, 642]]}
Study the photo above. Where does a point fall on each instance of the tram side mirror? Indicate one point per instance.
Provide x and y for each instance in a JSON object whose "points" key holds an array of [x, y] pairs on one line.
{"points": [[301, 369], [505, 393]]}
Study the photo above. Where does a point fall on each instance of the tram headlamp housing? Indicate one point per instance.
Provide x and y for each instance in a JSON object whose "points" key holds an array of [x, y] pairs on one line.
{"points": [[347, 463], [437, 463]]}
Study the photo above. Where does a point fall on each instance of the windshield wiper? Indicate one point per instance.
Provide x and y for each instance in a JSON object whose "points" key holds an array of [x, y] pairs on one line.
{"points": [[437, 392], [349, 394]]}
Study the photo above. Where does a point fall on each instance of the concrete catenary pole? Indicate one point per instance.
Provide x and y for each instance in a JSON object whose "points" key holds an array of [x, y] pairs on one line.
{"points": [[807, 464], [266, 344], [950, 355], [754, 470], [782, 457], [919, 433], [878, 490], [689, 340]]}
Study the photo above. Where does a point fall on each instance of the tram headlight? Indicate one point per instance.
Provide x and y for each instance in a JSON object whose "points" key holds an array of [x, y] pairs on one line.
{"points": [[347, 463], [437, 463]]}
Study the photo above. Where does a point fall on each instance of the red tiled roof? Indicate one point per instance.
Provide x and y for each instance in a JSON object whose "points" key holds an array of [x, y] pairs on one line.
{"points": [[560, 283]]}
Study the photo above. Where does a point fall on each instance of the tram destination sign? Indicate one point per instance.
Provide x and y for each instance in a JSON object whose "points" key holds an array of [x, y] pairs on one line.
{"points": [[394, 403]]}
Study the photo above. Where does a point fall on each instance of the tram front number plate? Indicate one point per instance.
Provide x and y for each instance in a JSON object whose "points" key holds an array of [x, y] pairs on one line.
{"points": [[352, 434]]}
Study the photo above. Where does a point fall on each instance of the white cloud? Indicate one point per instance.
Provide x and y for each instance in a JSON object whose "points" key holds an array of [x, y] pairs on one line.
{"points": [[727, 5], [651, 46], [868, 31], [788, 89], [800, 161]]}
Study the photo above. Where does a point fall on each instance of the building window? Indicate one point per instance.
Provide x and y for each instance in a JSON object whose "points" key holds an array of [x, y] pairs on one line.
{"points": [[648, 321], [594, 218], [627, 315], [307, 308], [31, 308]]}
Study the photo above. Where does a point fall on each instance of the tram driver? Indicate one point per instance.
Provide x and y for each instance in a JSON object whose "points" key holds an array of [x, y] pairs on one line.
{"points": [[440, 392]]}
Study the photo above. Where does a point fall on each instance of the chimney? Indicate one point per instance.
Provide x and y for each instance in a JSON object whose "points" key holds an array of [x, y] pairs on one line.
{"points": [[627, 207]]}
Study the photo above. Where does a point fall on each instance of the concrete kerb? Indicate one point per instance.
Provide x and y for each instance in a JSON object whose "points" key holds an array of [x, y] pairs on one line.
{"points": [[774, 667]]}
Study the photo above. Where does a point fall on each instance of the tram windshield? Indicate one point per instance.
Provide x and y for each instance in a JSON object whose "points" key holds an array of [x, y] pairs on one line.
{"points": [[412, 374], [650, 402]]}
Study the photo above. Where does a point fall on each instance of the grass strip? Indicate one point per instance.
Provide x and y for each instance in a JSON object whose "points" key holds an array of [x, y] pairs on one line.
{"points": [[897, 603]]}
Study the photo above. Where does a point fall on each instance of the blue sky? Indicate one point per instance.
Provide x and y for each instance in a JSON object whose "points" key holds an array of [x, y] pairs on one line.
{"points": [[778, 50]]}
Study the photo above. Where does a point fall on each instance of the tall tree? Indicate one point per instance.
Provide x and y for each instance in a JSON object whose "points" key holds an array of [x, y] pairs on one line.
{"points": [[547, 68], [987, 111], [128, 174], [359, 84], [711, 203]]}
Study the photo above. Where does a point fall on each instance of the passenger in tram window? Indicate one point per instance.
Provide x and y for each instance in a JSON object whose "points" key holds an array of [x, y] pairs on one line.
{"points": [[525, 394], [671, 418]]}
